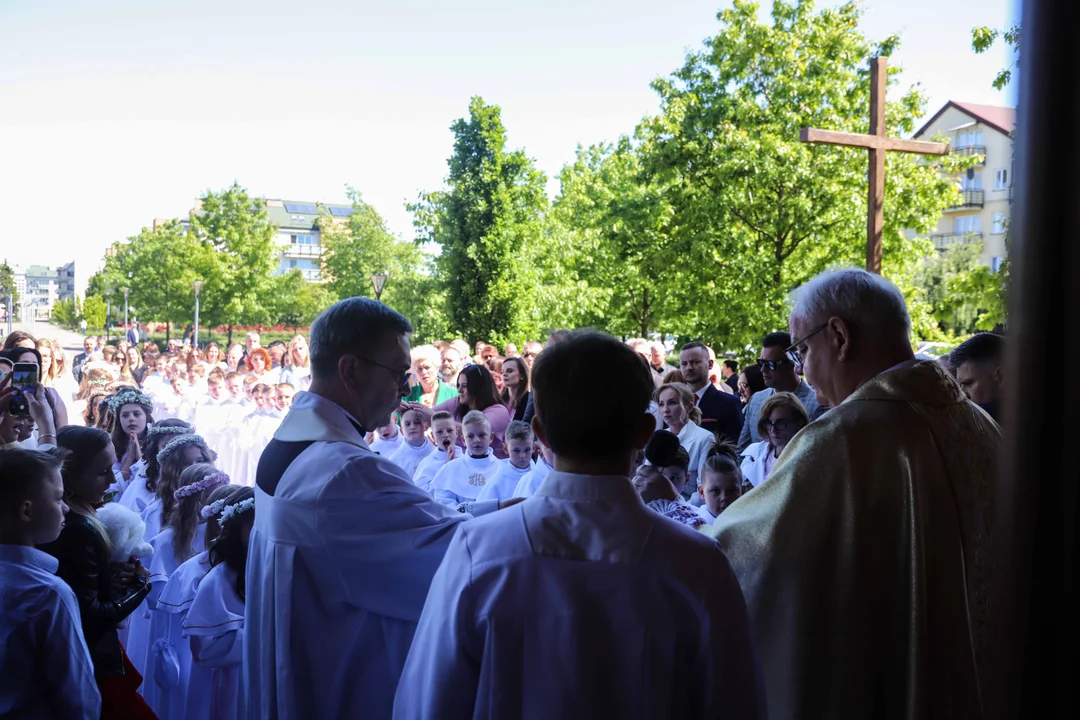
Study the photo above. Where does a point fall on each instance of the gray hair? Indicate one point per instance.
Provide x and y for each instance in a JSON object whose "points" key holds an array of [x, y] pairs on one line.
{"points": [[427, 352], [348, 326], [864, 299]]}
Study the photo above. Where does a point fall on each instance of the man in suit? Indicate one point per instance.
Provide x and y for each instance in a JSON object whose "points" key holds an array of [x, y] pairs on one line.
{"points": [[720, 413], [730, 373], [89, 344]]}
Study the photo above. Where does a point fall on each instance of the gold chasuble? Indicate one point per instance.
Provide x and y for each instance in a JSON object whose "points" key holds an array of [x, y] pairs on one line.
{"points": [[865, 556]]}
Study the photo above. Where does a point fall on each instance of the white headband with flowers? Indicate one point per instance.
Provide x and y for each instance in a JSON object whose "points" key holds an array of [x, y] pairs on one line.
{"points": [[178, 442], [233, 510], [158, 430], [213, 508], [130, 397], [218, 478]]}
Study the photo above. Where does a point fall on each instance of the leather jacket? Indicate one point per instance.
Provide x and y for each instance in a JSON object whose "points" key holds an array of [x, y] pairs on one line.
{"points": [[84, 565]]}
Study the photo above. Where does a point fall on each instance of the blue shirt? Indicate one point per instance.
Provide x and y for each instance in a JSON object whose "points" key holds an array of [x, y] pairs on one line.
{"points": [[44, 662]]}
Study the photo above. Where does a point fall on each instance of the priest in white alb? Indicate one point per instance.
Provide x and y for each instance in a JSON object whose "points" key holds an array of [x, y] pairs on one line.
{"points": [[344, 545]]}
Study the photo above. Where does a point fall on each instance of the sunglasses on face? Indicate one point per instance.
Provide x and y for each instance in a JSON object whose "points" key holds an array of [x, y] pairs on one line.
{"points": [[772, 365], [528, 354]]}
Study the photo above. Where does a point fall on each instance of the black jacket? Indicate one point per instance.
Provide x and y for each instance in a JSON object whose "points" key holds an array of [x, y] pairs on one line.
{"points": [[721, 413], [84, 565], [77, 365]]}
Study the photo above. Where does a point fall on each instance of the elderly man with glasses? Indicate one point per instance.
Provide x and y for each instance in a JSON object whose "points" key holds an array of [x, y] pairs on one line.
{"points": [[779, 372], [867, 555]]}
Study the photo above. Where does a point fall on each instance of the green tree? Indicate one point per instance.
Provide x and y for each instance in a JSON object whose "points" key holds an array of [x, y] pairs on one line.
{"points": [[294, 302], [64, 313], [983, 38], [755, 213], [492, 207], [237, 227], [94, 312], [8, 289], [158, 266], [362, 245], [966, 296]]}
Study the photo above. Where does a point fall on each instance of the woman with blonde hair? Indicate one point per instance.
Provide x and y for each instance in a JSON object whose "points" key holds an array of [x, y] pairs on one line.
{"points": [[123, 368], [678, 409], [136, 365], [53, 363], [782, 416], [297, 364]]}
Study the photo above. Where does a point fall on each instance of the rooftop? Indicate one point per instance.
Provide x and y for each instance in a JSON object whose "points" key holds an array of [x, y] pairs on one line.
{"points": [[1002, 119]]}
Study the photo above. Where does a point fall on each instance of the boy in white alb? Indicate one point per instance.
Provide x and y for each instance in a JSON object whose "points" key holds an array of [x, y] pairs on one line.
{"points": [[387, 439], [444, 429], [44, 660], [416, 446], [462, 479], [519, 440], [531, 480], [530, 604]]}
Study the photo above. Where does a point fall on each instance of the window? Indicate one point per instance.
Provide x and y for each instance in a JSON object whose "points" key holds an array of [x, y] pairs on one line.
{"points": [[966, 224], [995, 263], [973, 138], [972, 181], [999, 224], [1001, 179], [306, 240]]}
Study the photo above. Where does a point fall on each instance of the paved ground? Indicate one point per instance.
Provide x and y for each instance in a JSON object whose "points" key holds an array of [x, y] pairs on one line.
{"points": [[70, 341]]}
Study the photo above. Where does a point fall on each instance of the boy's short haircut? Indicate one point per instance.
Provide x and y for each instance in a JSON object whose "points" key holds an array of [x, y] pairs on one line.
{"points": [[565, 372], [518, 430], [285, 386], [441, 415], [22, 470], [199, 370], [233, 374], [260, 388], [475, 417], [423, 417], [215, 379], [250, 380]]}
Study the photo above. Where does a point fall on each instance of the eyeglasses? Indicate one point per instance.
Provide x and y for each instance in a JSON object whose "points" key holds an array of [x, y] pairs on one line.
{"points": [[404, 375], [528, 354], [778, 426], [772, 365], [793, 353]]}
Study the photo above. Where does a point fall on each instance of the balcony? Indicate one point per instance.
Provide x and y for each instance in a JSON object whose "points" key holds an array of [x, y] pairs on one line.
{"points": [[970, 199], [970, 150], [302, 251], [942, 241]]}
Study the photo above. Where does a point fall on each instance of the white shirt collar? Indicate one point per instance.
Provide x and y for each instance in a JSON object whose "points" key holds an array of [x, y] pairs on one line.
{"points": [[701, 393], [584, 488]]}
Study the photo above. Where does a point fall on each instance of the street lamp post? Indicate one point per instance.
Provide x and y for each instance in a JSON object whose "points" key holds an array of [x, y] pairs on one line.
{"points": [[197, 284], [126, 291], [378, 281]]}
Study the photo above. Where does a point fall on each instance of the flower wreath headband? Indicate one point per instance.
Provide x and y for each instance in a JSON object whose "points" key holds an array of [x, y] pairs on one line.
{"points": [[158, 431], [178, 442], [218, 478], [233, 510], [130, 397]]}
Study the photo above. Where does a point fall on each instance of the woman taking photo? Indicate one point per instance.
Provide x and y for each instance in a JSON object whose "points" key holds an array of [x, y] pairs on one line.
{"points": [[515, 391], [429, 389], [107, 592], [20, 354], [782, 416]]}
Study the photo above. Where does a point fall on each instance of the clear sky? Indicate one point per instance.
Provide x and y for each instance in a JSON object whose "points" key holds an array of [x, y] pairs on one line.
{"points": [[114, 112]]}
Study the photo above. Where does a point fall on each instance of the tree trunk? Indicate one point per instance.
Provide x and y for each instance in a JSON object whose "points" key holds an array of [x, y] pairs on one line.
{"points": [[229, 343], [168, 327]]}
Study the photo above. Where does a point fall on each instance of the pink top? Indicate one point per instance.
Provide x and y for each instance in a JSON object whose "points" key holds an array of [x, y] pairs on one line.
{"points": [[497, 415]]}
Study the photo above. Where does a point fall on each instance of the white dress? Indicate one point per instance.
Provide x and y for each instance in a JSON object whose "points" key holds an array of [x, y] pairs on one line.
{"points": [[191, 697], [168, 659], [137, 639], [425, 471], [214, 626]]}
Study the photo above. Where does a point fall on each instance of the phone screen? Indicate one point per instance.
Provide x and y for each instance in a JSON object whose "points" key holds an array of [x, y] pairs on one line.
{"points": [[24, 376]]}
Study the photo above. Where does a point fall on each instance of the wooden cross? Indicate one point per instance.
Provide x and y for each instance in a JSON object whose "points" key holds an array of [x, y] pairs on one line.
{"points": [[878, 144]]}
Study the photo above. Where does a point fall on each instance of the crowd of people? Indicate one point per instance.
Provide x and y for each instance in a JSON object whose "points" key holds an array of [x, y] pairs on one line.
{"points": [[357, 528]]}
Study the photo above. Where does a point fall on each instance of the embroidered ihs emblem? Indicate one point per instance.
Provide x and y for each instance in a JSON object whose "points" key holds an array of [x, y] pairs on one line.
{"points": [[477, 480]]}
